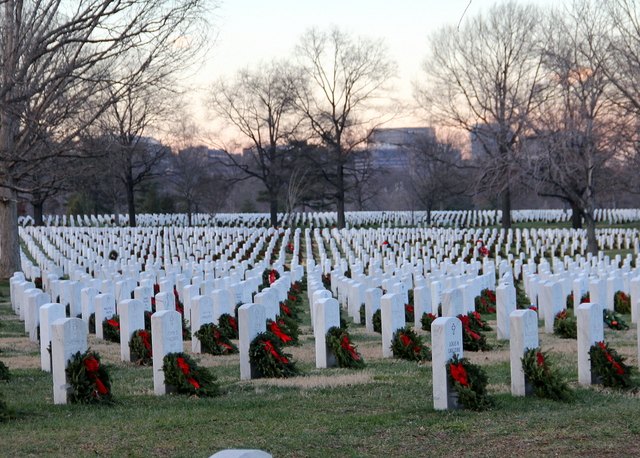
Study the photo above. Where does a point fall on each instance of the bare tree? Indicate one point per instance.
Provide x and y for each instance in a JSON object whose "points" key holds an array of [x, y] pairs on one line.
{"points": [[484, 78], [54, 57], [578, 129], [347, 80], [260, 103]]}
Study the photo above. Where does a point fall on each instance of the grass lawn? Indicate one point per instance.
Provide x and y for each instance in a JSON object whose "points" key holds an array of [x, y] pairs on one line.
{"points": [[383, 410]]}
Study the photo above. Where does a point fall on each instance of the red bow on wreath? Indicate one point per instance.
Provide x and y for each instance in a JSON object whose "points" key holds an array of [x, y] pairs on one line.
{"points": [[216, 334], [467, 327], [182, 364], [144, 335], [347, 346], [92, 366], [273, 327], [459, 374], [271, 349], [610, 359], [273, 276], [114, 323]]}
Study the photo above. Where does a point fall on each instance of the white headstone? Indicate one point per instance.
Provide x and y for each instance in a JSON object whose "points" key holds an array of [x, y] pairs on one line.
{"points": [[446, 342], [392, 316], [68, 337], [131, 312], [251, 322], [166, 337], [327, 316], [590, 331], [524, 336]]}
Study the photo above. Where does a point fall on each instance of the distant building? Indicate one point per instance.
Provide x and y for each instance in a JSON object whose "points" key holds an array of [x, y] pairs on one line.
{"points": [[388, 147]]}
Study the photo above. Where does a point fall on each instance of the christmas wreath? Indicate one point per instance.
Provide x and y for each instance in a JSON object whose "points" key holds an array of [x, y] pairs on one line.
{"points": [[286, 329], [477, 324], [377, 321], [426, 320], [486, 302], [5, 375], [140, 345], [89, 379], [470, 383], [339, 341], [409, 313], [406, 344], [344, 323], [268, 277], [613, 320], [228, 326], [267, 356], [186, 377], [609, 366], [113, 255], [214, 341], [363, 314], [545, 382], [522, 300], [472, 340], [622, 303], [565, 326], [111, 329], [569, 302]]}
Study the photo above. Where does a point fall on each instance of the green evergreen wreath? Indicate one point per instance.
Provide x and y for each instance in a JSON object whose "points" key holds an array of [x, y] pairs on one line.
{"points": [[111, 329], [5, 375], [268, 358], [486, 302], [214, 341], [406, 344], [268, 277], [565, 326], [426, 320], [281, 329], [472, 340], [609, 366], [409, 313], [613, 320], [186, 377], [92, 324], [470, 383], [546, 383], [622, 303], [477, 324], [140, 346], [89, 379], [377, 321], [363, 314], [347, 356], [228, 326]]}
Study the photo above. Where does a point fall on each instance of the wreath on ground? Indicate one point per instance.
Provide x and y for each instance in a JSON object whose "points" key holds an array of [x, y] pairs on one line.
{"points": [[111, 329], [472, 340], [214, 341], [186, 377], [140, 345], [89, 380], [477, 324], [613, 320], [565, 326], [546, 382], [486, 301], [622, 303], [377, 321], [470, 383], [268, 277], [426, 320], [5, 375], [268, 358], [228, 326], [339, 342], [113, 255], [286, 329], [363, 314], [609, 366], [406, 344]]}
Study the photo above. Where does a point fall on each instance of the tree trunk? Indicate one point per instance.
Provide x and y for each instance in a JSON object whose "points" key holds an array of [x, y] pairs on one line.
{"points": [[340, 196], [592, 241], [506, 209], [273, 209], [576, 216], [37, 212], [131, 204], [9, 236], [429, 216]]}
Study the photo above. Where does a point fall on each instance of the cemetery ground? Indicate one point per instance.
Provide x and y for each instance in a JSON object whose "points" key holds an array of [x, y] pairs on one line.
{"points": [[384, 410]]}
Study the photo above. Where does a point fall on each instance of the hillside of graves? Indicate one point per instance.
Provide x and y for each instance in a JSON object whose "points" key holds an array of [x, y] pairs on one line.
{"points": [[531, 289]]}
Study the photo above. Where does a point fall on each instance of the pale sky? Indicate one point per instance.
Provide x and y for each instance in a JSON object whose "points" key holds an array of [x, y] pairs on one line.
{"points": [[253, 30]]}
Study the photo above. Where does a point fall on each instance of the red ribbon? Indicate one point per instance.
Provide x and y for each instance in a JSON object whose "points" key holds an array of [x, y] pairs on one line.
{"points": [[285, 309], [114, 323], [409, 308], [347, 346], [217, 336], [616, 366], [273, 327], [467, 327], [459, 374], [270, 348], [273, 276], [491, 295], [144, 335], [92, 366], [232, 323], [291, 297], [182, 364]]}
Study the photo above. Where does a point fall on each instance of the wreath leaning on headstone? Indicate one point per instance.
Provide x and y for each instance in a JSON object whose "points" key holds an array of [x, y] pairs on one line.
{"points": [[214, 341], [546, 382], [228, 326], [406, 344], [347, 356], [186, 377], [609, 366], [377, 321], [89, 380], [140, 345], [111, 329], [267, 356], [473, 340], [283, 330], [426, 320], [470, 383], [622, 303], [565, 326]]}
